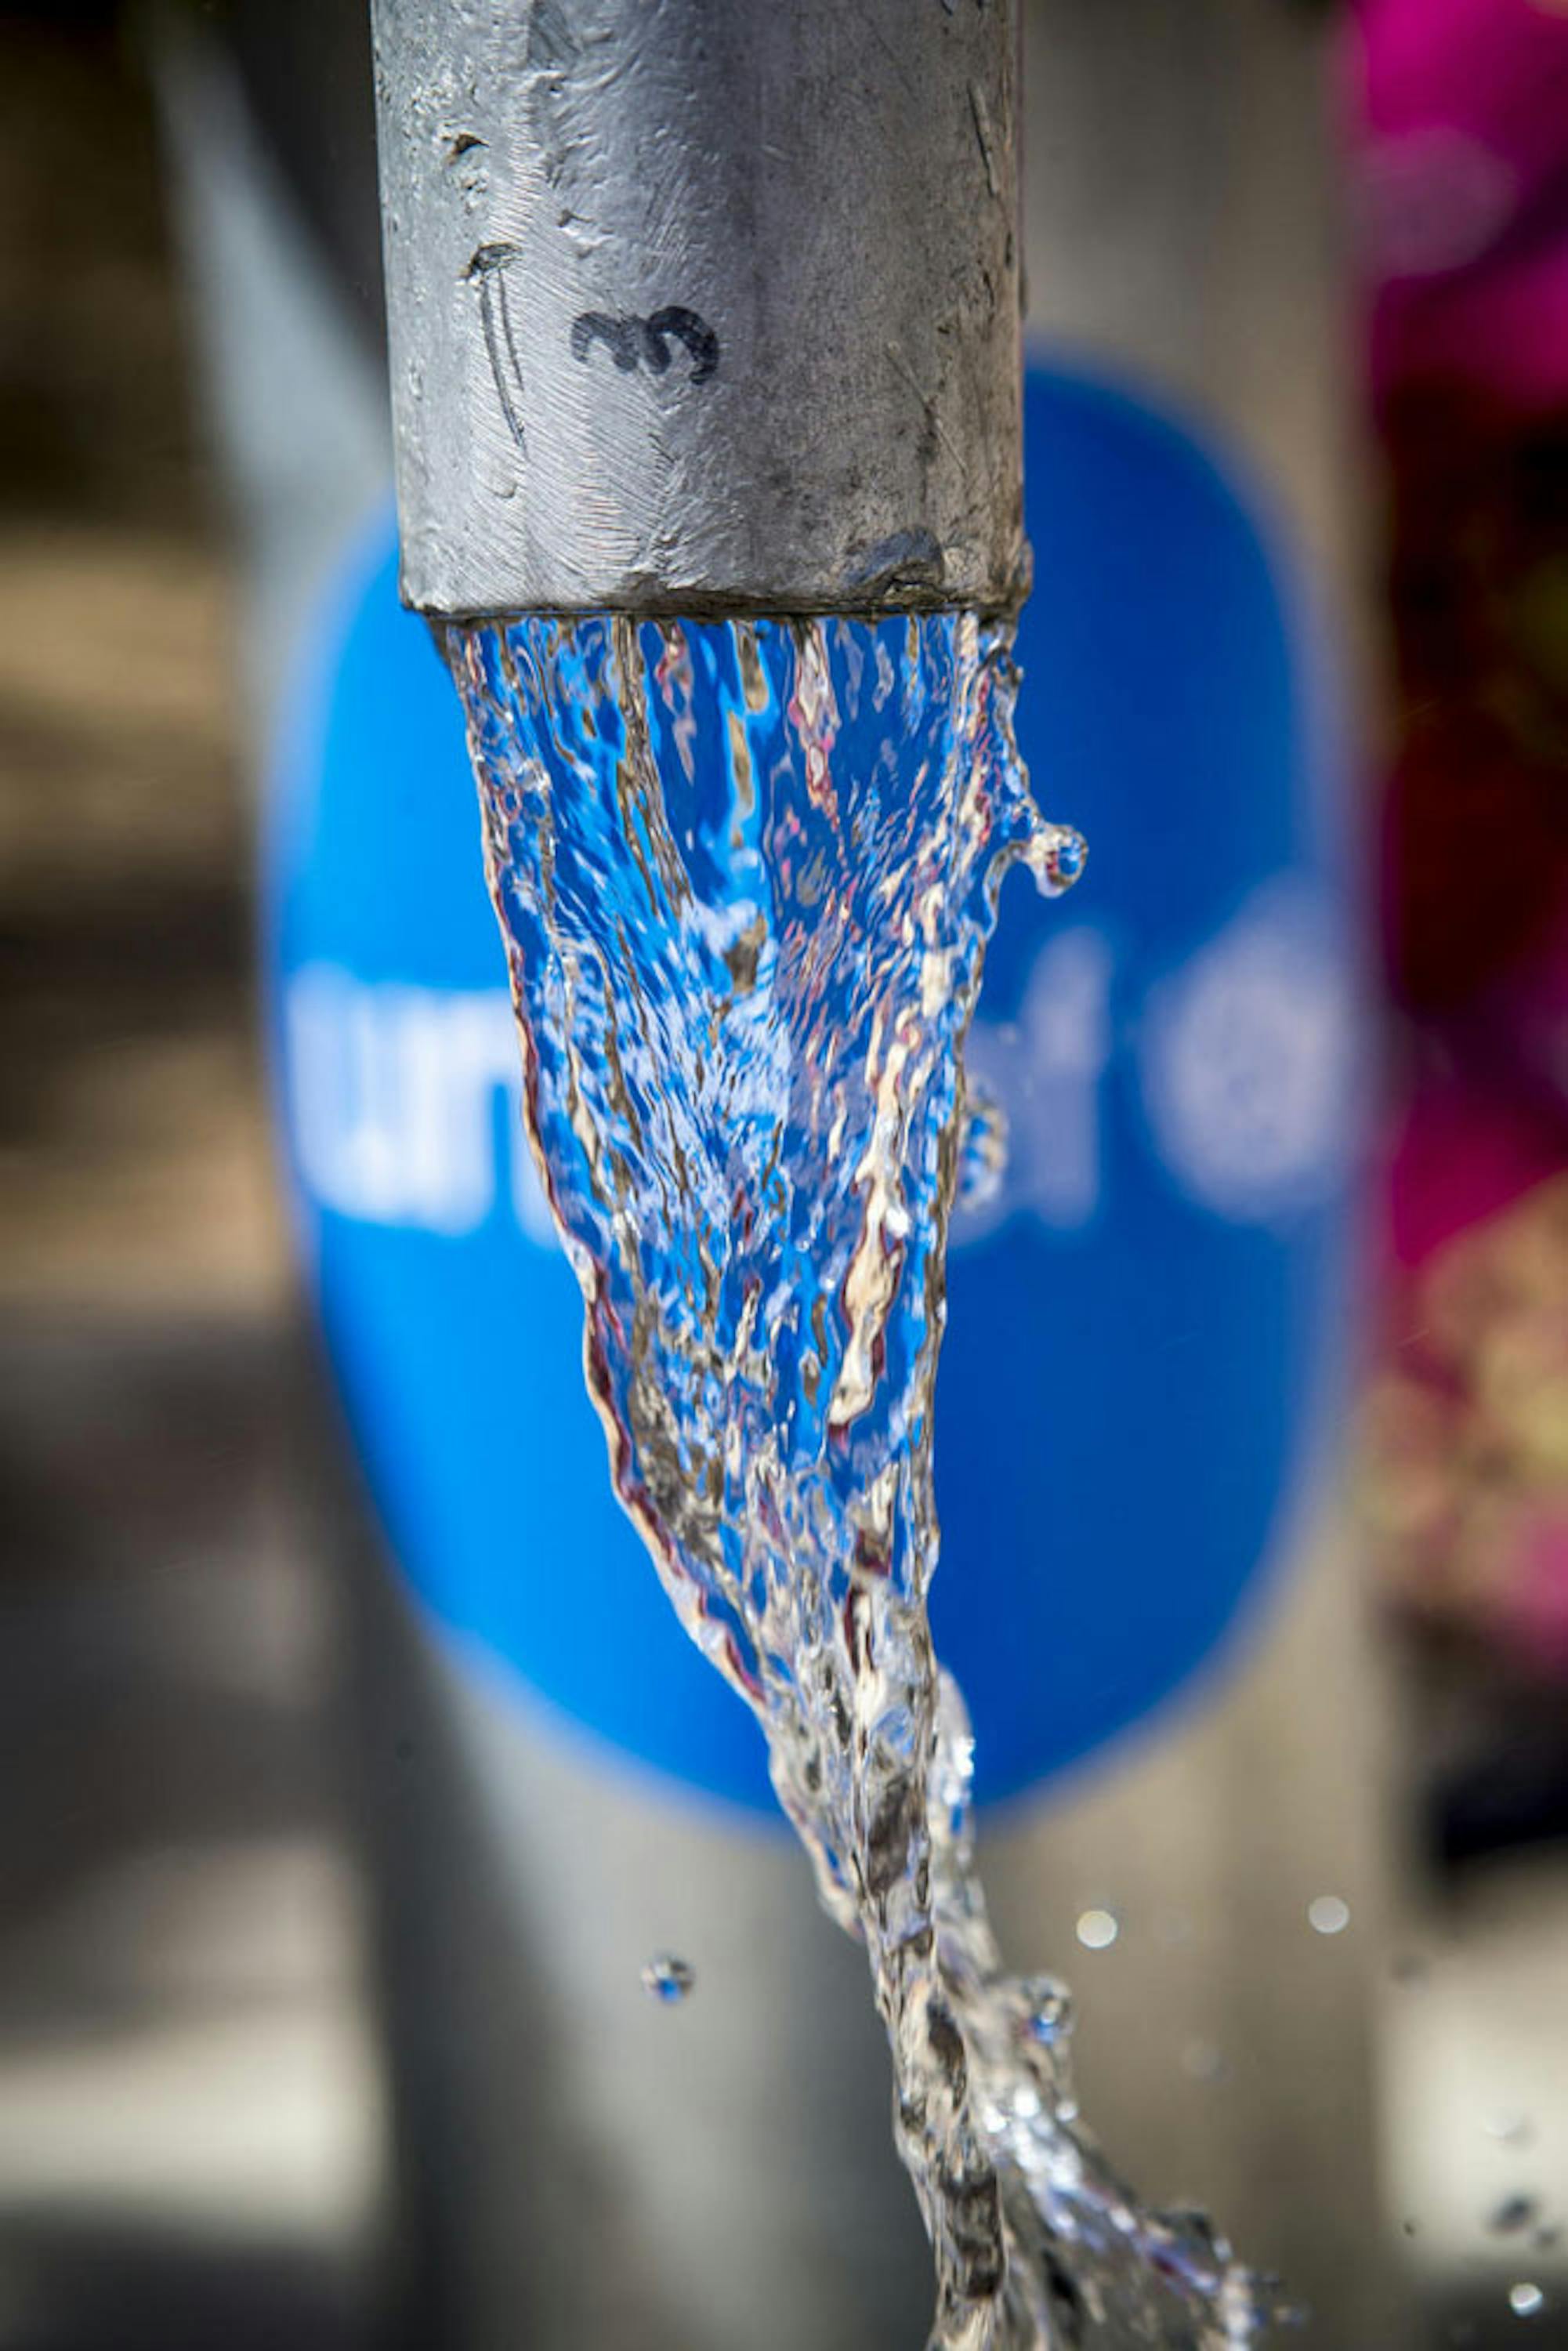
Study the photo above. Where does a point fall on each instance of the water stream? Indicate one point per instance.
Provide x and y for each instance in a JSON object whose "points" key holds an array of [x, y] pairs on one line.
{"points": [[746, 873]]}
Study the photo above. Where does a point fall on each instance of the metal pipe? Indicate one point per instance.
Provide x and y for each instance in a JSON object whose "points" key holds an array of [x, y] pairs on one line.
{"points": [[703, 305]]}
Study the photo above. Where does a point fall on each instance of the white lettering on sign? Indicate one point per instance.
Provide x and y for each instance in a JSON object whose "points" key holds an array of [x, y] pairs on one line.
{"points": [[404, 1103], [1045, 1067], [398, 1098], [1248, 1061]]}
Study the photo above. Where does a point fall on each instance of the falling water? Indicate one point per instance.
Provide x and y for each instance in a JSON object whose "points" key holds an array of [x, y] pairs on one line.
{"points": [[746, 873]]}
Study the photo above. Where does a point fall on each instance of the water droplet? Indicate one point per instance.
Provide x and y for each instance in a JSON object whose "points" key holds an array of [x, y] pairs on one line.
{"points": [[1410, 1968], [1525, 2299], [1513, 2213], [667, 1979], [1066, 858], [1510, 2126], [1056, 857], [1328, 1914], [1098, 1929], [1547, 2240], [1048, 2011]]}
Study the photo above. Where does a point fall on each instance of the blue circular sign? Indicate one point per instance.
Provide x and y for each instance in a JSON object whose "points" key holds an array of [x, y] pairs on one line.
{"points": [[1138, 1314]]}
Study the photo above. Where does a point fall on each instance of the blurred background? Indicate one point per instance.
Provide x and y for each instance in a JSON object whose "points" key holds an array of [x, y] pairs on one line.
{"points": [[195, 2125], [327, 1865]]}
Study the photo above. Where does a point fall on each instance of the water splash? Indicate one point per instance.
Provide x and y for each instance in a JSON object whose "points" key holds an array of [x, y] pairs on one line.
{"points": [[668, 1979], [746, 873]]}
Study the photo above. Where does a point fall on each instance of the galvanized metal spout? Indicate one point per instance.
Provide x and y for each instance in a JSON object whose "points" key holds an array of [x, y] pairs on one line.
{"points": [[703, 305]]}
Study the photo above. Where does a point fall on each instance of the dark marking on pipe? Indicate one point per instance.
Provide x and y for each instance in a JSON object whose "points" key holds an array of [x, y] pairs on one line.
{"points": [[982, 115], [488, 269], [907, 559], [637, 342], [689, 329], [621, 338]]}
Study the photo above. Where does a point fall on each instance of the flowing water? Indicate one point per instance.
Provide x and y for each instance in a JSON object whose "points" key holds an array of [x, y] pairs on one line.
{"points": [[746, 873]]}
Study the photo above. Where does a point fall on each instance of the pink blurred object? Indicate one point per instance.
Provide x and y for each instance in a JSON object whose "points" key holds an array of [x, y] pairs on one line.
{"points": [[1525, 1020], [1458, 140], [1458, 110], [1462, 1153], [1535, 1616]]}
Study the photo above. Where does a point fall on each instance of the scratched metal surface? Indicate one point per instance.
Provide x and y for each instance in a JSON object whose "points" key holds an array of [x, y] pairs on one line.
{"points": [[694, 307]]}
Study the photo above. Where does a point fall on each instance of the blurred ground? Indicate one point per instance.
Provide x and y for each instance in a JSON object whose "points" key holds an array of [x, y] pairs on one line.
{"points": [[133, 1158], [192, 2120]]}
